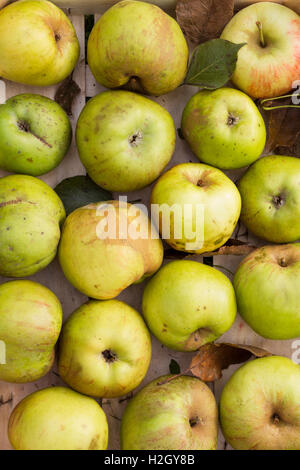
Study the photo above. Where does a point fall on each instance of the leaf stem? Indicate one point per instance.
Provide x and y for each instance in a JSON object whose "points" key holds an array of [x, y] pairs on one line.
{"points": [[261, 34]]}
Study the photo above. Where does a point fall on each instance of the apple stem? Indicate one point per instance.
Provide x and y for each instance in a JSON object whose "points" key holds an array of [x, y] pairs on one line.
{"points": [[271, 108], [261, 34]]}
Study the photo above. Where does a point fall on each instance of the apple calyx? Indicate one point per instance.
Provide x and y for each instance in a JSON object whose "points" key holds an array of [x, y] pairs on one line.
{"points": [[135, 139], [261, 34], [194, 421], [109, 356], [275, 419], [232, 120], [278, 201], [57, 37]]}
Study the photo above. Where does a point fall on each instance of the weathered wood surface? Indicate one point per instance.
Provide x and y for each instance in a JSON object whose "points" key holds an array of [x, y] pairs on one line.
{"points": [[53, 278]]}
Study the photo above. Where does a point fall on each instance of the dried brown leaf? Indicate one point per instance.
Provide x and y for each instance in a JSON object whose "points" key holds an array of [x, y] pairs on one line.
{"points": [[3, 3], [212, 358], [232, 247], [66, 94], [202, 20], [283, 129]]}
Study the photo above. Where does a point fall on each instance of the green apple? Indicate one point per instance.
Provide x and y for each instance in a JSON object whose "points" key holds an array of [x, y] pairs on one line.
{"points": [[197, 207], [269, 63], [30, 217], [179, 414], [108, 246], [124, 140], [271, 199], [105, 349], [224, 128], [38, 43], [35, 134], [259, 405], [30, 323], [188, 304], [58, 418], [136, 43], [268, 273]]}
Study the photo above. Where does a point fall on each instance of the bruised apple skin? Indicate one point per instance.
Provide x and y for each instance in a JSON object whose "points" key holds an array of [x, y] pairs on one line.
{"points": [[124, 140], [58, 418], [100, 263], [271, 198], [30, 217], [147, 49], [265, 70], [195, 185], [38, 43], [105, 349], [259, 406], [271, 272], [188, 304], [35, 134], [30, 323], [181, 414]]}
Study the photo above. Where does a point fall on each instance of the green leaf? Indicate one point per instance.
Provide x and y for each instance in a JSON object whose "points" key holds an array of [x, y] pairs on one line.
{"points": [[174, 367], [80, 191], [212, 64]]}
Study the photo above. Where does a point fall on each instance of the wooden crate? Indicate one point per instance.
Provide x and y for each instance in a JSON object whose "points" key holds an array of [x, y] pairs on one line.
{"points": [[53, 277]]}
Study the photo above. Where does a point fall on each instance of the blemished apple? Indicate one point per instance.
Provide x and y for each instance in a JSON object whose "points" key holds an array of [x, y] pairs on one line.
{"points": [[38, 43], [105, 349], [259, 406], [204, 205], [124, 140], [108, 246], [269, 63], [58, 418], [31, 214], [188, 304], [224, 128], [267, 291], [30, 323], [147, 49], [271, 198], [177, 414], [35, 134]]}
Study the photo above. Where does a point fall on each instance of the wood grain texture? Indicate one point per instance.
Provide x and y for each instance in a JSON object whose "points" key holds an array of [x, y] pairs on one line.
{"points": [[53, 278]]}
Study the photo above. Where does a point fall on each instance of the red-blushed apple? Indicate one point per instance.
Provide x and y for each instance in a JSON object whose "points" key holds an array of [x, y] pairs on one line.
{"points": [[259, 406], [267, 291], [58, 418], [38, 43], [188, 304], [108, 246], [136, 43], [269, 63], [196, 206], [177, 414], [224, 128], [271, 198], [124, 140], [105, 349]]}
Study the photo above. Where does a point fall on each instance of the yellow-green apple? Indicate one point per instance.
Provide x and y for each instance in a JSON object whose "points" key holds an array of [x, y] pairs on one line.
{"points": [[35, 134], [271, 198], [108, 246], [269, 63], [30, 217], [138, 44], [30, 323], [267, 274], [259, 407], [224, 128], [171, 413], [38, 43], [196, 206], [188, 304], [58, 418], [124, 140], [105, 349]]}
